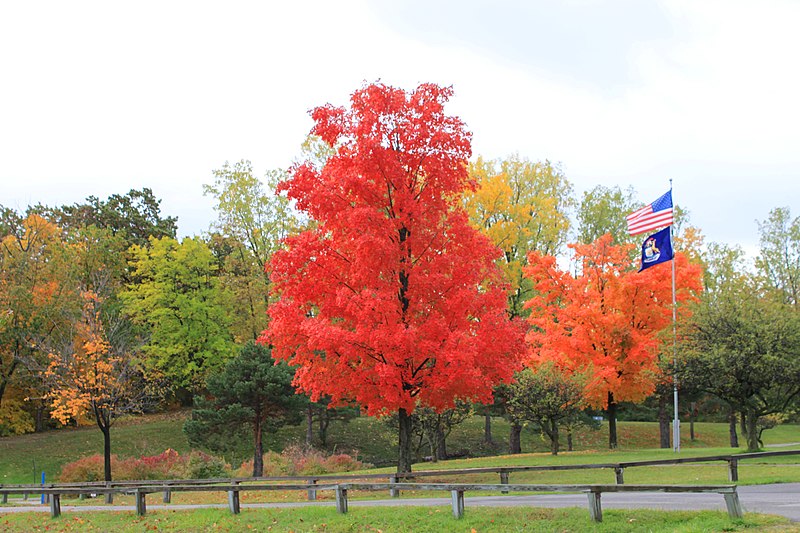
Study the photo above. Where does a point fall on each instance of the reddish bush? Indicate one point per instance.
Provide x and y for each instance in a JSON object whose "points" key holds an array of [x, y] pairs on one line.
{"points": [[167, 465]]}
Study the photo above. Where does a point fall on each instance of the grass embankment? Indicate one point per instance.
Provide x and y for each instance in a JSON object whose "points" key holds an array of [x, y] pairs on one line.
{"points": [[389, 520]]}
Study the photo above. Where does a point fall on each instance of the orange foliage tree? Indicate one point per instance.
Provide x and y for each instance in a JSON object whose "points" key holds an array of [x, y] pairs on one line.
{"points": [[94, 376], [606, 320], [392, 299]]}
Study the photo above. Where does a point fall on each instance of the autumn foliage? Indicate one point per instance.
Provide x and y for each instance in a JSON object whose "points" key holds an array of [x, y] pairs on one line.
{"points": [[392, 299], [607, 319]]}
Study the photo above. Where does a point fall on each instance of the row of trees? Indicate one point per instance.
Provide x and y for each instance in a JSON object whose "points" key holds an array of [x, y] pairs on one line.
{"points": [[400, 278]]}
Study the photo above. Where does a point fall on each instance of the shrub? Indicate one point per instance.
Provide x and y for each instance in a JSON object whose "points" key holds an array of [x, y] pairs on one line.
{"points": [[167, 465], [85, 469], [300, 460]]}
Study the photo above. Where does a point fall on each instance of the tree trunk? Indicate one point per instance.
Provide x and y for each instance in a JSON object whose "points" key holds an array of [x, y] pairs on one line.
{"points": [[663, 421], [752, 432], [569, 439], [103, 421], [611, 411], [487, 429], [441, 444], [404, 458], [514, 439], [553, 436], [310, 425], [692, 416], [743, 423], [324, 422], [258, 448], [732, 429]]}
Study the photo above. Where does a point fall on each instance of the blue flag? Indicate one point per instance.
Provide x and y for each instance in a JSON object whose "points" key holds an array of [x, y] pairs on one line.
{"points": [[657, 248]]}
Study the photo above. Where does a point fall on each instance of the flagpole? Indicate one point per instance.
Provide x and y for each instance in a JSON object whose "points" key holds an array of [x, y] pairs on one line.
{"points": [[676, 423]]}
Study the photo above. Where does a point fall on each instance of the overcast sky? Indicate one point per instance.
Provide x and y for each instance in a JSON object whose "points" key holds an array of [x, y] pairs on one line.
{"points": [[97, 98]]}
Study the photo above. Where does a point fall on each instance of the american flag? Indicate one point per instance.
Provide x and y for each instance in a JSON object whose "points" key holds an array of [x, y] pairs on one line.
{"points": [[651, 216]]}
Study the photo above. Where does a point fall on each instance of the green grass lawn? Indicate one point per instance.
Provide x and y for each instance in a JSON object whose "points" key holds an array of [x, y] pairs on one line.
{"points": [[374, 442], [390, 520]]}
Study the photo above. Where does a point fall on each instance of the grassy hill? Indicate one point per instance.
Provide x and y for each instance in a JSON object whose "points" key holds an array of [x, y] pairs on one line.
{"points": [[23, 458]]}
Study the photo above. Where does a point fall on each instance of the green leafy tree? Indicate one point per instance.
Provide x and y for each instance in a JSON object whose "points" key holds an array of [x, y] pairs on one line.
{"points": [[251, 394], [778, 262], [603, 210], [177, 298], [546, 397], [745, 350], [135, 216], [252, 220]]}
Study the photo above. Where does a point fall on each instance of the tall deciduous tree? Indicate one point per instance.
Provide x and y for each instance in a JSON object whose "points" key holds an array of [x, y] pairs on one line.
{"points": [[96, 375], [522, 206], [393, 299], [603, 210], [779, 259], [252, 221], [606, 320], [36, 293], [176, 296]]}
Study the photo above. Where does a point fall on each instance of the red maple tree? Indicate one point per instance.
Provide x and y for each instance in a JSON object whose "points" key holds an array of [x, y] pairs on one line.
{"points": [[391, 300], [606, 320]]}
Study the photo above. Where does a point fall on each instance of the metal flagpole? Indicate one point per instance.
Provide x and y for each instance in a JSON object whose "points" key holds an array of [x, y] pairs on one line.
{"points": [[676, 423]]}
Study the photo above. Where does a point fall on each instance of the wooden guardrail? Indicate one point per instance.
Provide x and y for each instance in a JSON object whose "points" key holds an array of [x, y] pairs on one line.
{"points": [[396, 480], [456, 490]]}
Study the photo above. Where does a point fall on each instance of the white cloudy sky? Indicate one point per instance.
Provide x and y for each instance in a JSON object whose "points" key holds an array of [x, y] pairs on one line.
{"points": [[100, 97]]}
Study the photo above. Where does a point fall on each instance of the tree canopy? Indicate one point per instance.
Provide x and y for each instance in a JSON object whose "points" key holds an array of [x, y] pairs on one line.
{"points": [[393, 299]]}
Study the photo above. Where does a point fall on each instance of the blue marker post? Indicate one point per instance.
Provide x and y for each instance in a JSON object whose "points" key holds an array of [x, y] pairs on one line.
{"points": [[43, 494]]}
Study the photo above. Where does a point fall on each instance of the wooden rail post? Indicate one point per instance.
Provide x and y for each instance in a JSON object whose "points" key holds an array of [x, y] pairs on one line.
{"points": [[618, 474], [394, 493], [233, 499], [55, 505], [109, 494], [341, 499], [733, 504], [167, 495], [457, 497], [141, 504], [312, 493], [5, 497], [733, 469], [595, 508], [504, 481]]}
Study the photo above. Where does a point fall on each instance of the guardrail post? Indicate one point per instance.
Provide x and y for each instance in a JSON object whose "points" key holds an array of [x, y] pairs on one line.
{"points": [[733, 469], [312, 493], [394, 493], [141, 505], [733, 504], [504, 481], [5, 497], [167, 494], [595, 509], [55, 505], [341, 499], [457, 497], [618, 470], [109, 494], [233, 500]]}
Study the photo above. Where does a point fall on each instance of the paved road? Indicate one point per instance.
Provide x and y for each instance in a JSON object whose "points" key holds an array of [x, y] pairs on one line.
{"points": [[779, 499]]}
